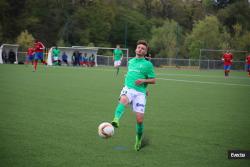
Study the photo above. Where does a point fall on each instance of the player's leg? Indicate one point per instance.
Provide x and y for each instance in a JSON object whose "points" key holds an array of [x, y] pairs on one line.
{"points": [[139, 107], [35, 64], [225, 71], [118, 67], [248, 67], [139, 130], [120, 108], [117, 70], [125, 98], [36, 58], [27, 60], [228, 70]]}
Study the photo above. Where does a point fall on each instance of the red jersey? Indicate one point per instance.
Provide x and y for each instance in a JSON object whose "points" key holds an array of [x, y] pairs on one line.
{"points": [[39, 47], [30, 51], [228, 57], [248, 59]]}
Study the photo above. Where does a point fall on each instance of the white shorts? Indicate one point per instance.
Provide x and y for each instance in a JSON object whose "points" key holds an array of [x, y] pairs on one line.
{"points": [[56, 58], [137, 100], [117, 63]]}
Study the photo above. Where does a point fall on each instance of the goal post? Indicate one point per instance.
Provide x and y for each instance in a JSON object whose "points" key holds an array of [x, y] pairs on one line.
{"points": [[69, 52], [5, 49], [211, 58], [104, 55]]}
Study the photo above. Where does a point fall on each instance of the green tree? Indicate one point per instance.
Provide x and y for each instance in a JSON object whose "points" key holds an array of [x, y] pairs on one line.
{"points": [[9, 19], [91, 23], [166, 40], [235, 13], [241, 38], [129, 26], [25, 40], [207, 33]]}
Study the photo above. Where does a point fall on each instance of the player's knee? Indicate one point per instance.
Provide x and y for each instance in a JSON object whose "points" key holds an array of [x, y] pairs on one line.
{"points": [[139, 118], [124, 100]]}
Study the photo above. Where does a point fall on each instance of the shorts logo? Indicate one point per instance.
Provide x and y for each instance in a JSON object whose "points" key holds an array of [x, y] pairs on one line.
{"points": [[139, 105]]}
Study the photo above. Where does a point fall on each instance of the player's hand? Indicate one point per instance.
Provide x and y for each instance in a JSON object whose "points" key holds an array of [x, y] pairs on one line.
{"points": [[139, 81]]}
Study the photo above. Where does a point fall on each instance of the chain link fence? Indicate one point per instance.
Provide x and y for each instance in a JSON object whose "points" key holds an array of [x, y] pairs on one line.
{"points": [[165, 62], [177, 63]]}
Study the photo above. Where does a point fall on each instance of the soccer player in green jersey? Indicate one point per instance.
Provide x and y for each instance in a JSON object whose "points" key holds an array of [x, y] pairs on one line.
{"points": [[56, 53], [140, 73], [117, 58]]}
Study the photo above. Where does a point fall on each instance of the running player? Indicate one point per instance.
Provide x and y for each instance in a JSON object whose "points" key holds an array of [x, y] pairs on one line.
{"points": [[228, 60], [39, 47], [117, 58]]}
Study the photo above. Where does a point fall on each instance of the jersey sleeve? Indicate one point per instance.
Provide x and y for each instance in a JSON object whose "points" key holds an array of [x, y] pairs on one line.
{"points": [[150, 72]]}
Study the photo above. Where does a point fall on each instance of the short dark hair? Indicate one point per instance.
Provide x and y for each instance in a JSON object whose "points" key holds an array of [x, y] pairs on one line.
{"points": [[143, 42]]}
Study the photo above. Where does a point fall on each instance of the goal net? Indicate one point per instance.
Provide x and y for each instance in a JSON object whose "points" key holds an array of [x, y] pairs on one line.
{"points": [[211, 59], [105, 56]]}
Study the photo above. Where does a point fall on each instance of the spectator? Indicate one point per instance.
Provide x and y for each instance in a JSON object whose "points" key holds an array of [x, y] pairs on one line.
{"points": [[73, 58], [92, 60], [12, 56], [5, 57], [85, 59], [65, 58]]}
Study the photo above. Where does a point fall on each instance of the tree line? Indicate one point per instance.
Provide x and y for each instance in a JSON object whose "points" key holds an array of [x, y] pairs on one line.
{"points": [[174, 28]]}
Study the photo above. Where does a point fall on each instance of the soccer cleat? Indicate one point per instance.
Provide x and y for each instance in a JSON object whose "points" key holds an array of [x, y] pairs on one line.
{"points": [[115, 123], [138, 143]]}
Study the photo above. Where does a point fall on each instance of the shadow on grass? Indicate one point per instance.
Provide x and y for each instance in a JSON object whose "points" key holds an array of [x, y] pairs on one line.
{"points": [[145, 142]]}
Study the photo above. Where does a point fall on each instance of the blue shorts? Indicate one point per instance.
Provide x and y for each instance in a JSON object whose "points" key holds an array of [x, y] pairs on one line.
{"points": [[30, 57], [39, 56], [248, 66], [227, 67]]}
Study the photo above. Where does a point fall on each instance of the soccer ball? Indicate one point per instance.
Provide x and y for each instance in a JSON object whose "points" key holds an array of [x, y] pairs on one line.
{"points": [[106, 130]]}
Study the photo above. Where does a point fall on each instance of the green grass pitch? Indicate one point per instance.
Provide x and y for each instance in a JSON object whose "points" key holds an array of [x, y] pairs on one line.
{"points": [[50, 118]]}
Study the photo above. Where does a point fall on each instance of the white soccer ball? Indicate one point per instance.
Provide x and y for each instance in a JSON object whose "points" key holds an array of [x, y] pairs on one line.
{"points": [[106, 130]]}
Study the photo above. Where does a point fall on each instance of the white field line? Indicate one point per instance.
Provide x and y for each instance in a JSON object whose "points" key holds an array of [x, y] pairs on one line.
{"points": [[203, 76], [202, 82], [177, 80]]}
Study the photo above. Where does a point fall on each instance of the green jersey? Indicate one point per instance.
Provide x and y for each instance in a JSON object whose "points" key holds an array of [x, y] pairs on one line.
{"points": [[56, 52], [139, 68], [117, 54]]}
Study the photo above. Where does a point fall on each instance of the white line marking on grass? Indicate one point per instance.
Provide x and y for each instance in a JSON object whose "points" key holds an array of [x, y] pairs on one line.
{"points": [[202, 82], [176, 80], [203, 76]]}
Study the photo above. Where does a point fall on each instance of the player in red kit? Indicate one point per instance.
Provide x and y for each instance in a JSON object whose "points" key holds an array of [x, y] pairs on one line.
{"points": [[39, 47], [228, 60], [248, 64], [30, 55]]}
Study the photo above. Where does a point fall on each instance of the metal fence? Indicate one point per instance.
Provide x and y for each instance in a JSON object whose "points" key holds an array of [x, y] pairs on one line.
{"points": [[165, 62], [178, 63]]}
